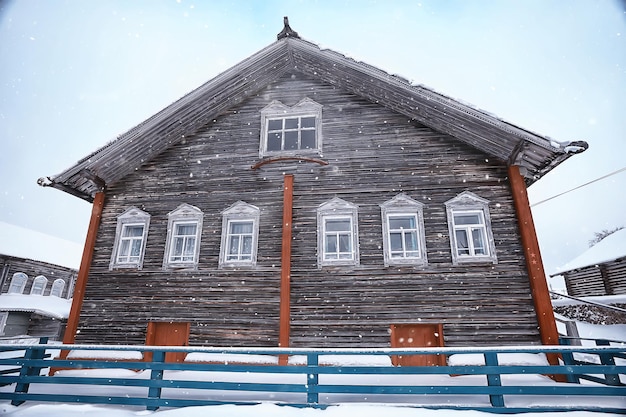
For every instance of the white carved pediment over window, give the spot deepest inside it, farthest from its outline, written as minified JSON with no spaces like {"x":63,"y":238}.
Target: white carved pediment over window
{"x":291,"y":130}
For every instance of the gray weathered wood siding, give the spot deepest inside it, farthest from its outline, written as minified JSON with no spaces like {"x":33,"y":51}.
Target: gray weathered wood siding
{"x":373,"y":154}
{"x":603,"y":279}
{"x":9,"y":265}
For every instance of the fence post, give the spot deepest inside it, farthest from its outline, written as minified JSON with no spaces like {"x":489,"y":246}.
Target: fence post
{"x":608,"y":359}
{"x":312,"y":378}
{"x":34,"y":353}
{"x":156,"y":375}
{"x":568,"y":359}
{"x":493,"y":380}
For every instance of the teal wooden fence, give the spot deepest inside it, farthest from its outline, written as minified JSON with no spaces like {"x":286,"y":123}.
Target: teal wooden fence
{"x":486,"y":379}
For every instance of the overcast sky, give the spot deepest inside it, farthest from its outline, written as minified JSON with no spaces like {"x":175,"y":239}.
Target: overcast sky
{"x":75,"y":74}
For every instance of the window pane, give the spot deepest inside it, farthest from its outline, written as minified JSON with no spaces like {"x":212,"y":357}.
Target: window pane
{"x":307,"y":122}
{"x":276,"y":124}
{"x":185,"y":229}
{"x":461,"y":242}
{"x":247,"y":245}
{"x":132,"y":231}
{"x":395,"y":240}
{"x":291,"y":123}
{"x":410,"y":241}
{"x":478,"y":239}
{"x":240,"y":227}
{"x":338,"y":225}
{"x":178,"y":247}
{"x":291,"y":140}
{"x":190,"y":246}
{"x":136,"y":248}
{"x":124,"y":248}
{"x":460,"y":219}
{"x":233,"y":248}
{"x":307,"y":137}
{"x":331,"y":244}
{"x":274,"y":141}
{"x":396,"y":223}
{"x":345,"y":243}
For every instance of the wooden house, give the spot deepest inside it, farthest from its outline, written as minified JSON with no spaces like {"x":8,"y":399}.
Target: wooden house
{"x":600,"y":270}
{"x":37,"y":278}
{"x":304,"y":199}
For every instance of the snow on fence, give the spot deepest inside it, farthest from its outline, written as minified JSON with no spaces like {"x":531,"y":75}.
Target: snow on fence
{"x":502,"y":379}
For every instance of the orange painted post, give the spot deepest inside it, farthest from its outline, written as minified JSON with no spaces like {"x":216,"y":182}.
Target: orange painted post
{"x":534,"y":264}
{"x":83,"y":272}
{"x":285,"y":269}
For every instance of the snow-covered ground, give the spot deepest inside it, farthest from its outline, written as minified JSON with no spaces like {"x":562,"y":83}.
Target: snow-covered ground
{"x":261,"y":410}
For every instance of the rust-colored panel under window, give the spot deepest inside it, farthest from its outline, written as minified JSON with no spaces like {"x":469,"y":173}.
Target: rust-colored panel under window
{"x":168,"y":334}
{"x":417,"y":335}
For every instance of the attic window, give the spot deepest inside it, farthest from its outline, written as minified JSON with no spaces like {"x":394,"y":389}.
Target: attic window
{"x":291,"y":130}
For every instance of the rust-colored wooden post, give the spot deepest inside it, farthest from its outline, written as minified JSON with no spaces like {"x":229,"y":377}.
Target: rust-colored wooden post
{"x":534,"y":264}
{"x":83,"y":272}
{"x":285,"y":268}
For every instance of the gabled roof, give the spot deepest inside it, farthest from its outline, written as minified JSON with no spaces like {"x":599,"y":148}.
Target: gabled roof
{"x":609,"y":249}
{"x":535,"y":154}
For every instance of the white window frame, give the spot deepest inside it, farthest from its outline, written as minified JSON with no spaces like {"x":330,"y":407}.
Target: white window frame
{"x":130,"y":218}
{"x":469,"y":203}
{"x":4,"y":315}
{"x":277,"y":110}
{"x":237,"y":213}
{"x":404,"y":206}
{"x":39,"y":285}
{"x":18,"y":283}
{"x":333,"y":210}
{"x":185,"y":214}
{"x":57,"y":288}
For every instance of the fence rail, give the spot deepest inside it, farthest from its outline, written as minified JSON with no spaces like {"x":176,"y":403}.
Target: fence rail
{"x":503,"y":379}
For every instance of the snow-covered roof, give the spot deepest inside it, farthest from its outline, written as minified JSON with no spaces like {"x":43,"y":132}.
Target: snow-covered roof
{"x":608,"y":249}
{"x":29,"y":244}
{"x":50,"y":306}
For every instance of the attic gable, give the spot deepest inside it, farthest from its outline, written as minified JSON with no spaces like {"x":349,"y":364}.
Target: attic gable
{"x":535,"y":154}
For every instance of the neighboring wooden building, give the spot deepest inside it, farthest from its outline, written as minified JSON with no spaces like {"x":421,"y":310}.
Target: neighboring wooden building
{"x":37,"y":277}
{"x":600,"y":270}
{"x":304,"y":199}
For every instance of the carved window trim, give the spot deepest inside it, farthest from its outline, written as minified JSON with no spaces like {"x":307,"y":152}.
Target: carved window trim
{"x":18,"y":283}
{"x":4,"y":315}
{"x":405,"y":207}
{"x":469,"y":204}
{"x":57,"y":288}
{"x":275,"y":111}
{"x":39,"y":285}
{"x":239,"y":213}
{"x":184,"y":215}
{"x":131,"y":218}
{"x":333,"y":211}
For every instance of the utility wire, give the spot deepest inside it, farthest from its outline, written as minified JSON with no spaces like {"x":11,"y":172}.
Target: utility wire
{"x":580,"y":186}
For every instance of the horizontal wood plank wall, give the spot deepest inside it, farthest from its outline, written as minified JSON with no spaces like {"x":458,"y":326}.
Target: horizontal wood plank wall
{"x":605,"y":279}
{"x":585,"y":282}
{"x":373,"y":155}
{"x":616,"y":276}
{"x":11,"y":264}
